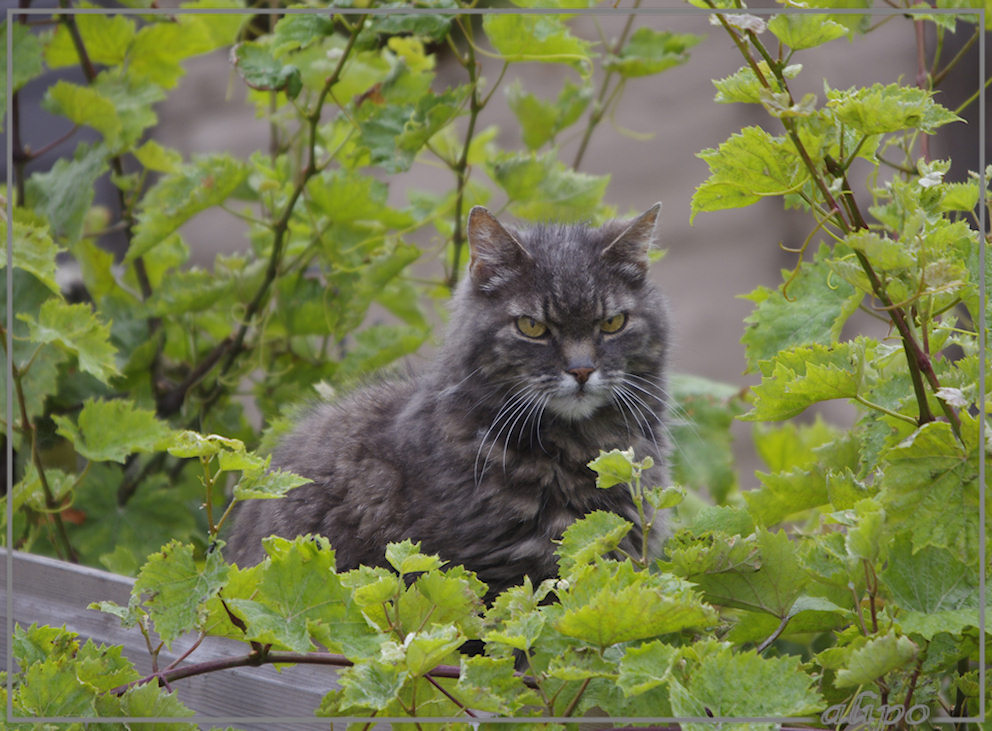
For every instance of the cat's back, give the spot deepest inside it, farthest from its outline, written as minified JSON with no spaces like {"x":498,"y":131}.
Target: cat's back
{"x":351,"y":449}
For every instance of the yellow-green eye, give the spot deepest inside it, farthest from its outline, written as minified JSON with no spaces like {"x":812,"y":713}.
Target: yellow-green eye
{"x":531,"y":327}
{"x":614,"y":324}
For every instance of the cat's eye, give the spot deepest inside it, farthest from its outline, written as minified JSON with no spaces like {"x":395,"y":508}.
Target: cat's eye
{"x":531,"y":328}
{"x":613,"y":324}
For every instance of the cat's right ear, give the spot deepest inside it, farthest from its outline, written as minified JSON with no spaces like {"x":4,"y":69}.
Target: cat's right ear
{"x":496,"y":255}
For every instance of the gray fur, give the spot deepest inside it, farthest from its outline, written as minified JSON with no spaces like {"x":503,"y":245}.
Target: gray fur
{"x":483,"y":458}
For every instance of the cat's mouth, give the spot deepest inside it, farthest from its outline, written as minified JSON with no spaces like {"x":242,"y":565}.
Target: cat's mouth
{"x":575,"y":401}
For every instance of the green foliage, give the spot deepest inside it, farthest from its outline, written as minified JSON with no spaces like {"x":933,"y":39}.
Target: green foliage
{"x":851,"y":564}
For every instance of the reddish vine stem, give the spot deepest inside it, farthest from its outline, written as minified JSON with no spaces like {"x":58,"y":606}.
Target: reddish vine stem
{"x":263,"y":656}
{"x":918,"y":362}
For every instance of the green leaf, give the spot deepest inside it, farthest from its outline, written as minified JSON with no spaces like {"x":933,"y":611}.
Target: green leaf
{"x":936,"y":592}
{"x":700,"y":428}
{"x":930,"y":486}
{"x":542,"y":188}
{"x":76,"y":329}
{"x":876,"y":658}
{"x":173,"y":200}
{"x":33,"y":251}
{"x":835,"y":372}
{"x":799,"y":31}
{"x":300,"y":30}
{"x":604,"y":606}
{"x":106,"y":36}
{"x":406,"y":558}
{"x":749,"y":166}
{"x":64,"y":194}
{"x":152,"y":700}
{"x":648,"y":51}
{"x":612,"y":468}
{"x":51,"y":689}
{"x":769,"y":581}
{"x":743,"y":85}
{"x":161,"y":159}
{"x":260,"y":70}
{"x":645,"y":667}
{"x":84,"y":105}
{"x":490,"y":684}
{"x":159,"y":48}
{"x":594,"y":535}
{"x":299,"y":597}
{"x":537,"y":38}
{"x":541,"y":120}
{"x":374,"y":685}
{"x":426,"y":649}
{"x":785,"y":493}
{"x":747,"y":685}
{"x":111,"y":430}
{"x":432,"y":26}
{"x":175,"y":591}
{"x":26,"y":51}
{"x":879,"y":109}
{"x":816,"y":309}
{"x":274,"y":484}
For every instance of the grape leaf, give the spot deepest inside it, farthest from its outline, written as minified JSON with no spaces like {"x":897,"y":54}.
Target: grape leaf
{"x":260,"y":69}
{"x":874,"y":659}
{"x":76,"y":329}
{"x":930,"y":485}
{"x":605,"y":605}
{"x":26,"y":51}
{"x":743,"y":85}
{"x":936,"y":591}
{"x":879,"y":109}
{"x":595,"y":534}
{"x":536,"y":38}
{"x":645,"y":667}
{"x":33,"y":251}
{"x":747,"y":167}
{"x":113,"y":429}
{"x":203,"y":183}
{"x":800,"y":31}
{"x":769,"y":582}
{"x":64,"y":194}
{"x":815,"y":311}
{"x":836,"y":372}
{"x":490,"y":684}
{"x":541,"y":188}
{"x":175,"y":591}
{"x":747,"y":685}
{"x":649,"y":51}
{"x":106,"y":36}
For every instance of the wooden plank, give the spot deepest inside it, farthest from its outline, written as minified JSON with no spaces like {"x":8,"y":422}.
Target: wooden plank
{"x":46,"y":591}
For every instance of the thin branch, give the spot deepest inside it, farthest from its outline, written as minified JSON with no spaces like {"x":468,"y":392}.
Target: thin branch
{"x":601,"y":105}
{"x":263,"y":656}
{"x":774,"y":635}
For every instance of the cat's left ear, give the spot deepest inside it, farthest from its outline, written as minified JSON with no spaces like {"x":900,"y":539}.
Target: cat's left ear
{"x":629,"y":251}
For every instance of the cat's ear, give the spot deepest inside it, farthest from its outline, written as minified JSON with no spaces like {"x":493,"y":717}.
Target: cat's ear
{"x":496,"y":255}
{"x":629,"y":251}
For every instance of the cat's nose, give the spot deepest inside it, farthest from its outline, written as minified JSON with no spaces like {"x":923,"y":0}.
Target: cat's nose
{"x":581,"y":373}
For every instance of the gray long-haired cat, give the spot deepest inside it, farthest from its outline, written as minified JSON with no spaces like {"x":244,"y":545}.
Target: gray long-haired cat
{"x":556,"y":349}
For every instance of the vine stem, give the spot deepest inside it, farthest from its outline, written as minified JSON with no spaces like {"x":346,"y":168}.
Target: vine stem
{"x":261,"y":656}
{"x":460,"y":168}
{"x":918,"y":362}
{"x":63,"y":545}
{"x":599,"y":107}
{"x":230,"y":348}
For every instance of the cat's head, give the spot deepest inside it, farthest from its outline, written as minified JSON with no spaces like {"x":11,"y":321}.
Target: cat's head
{"x":562,"y":317}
